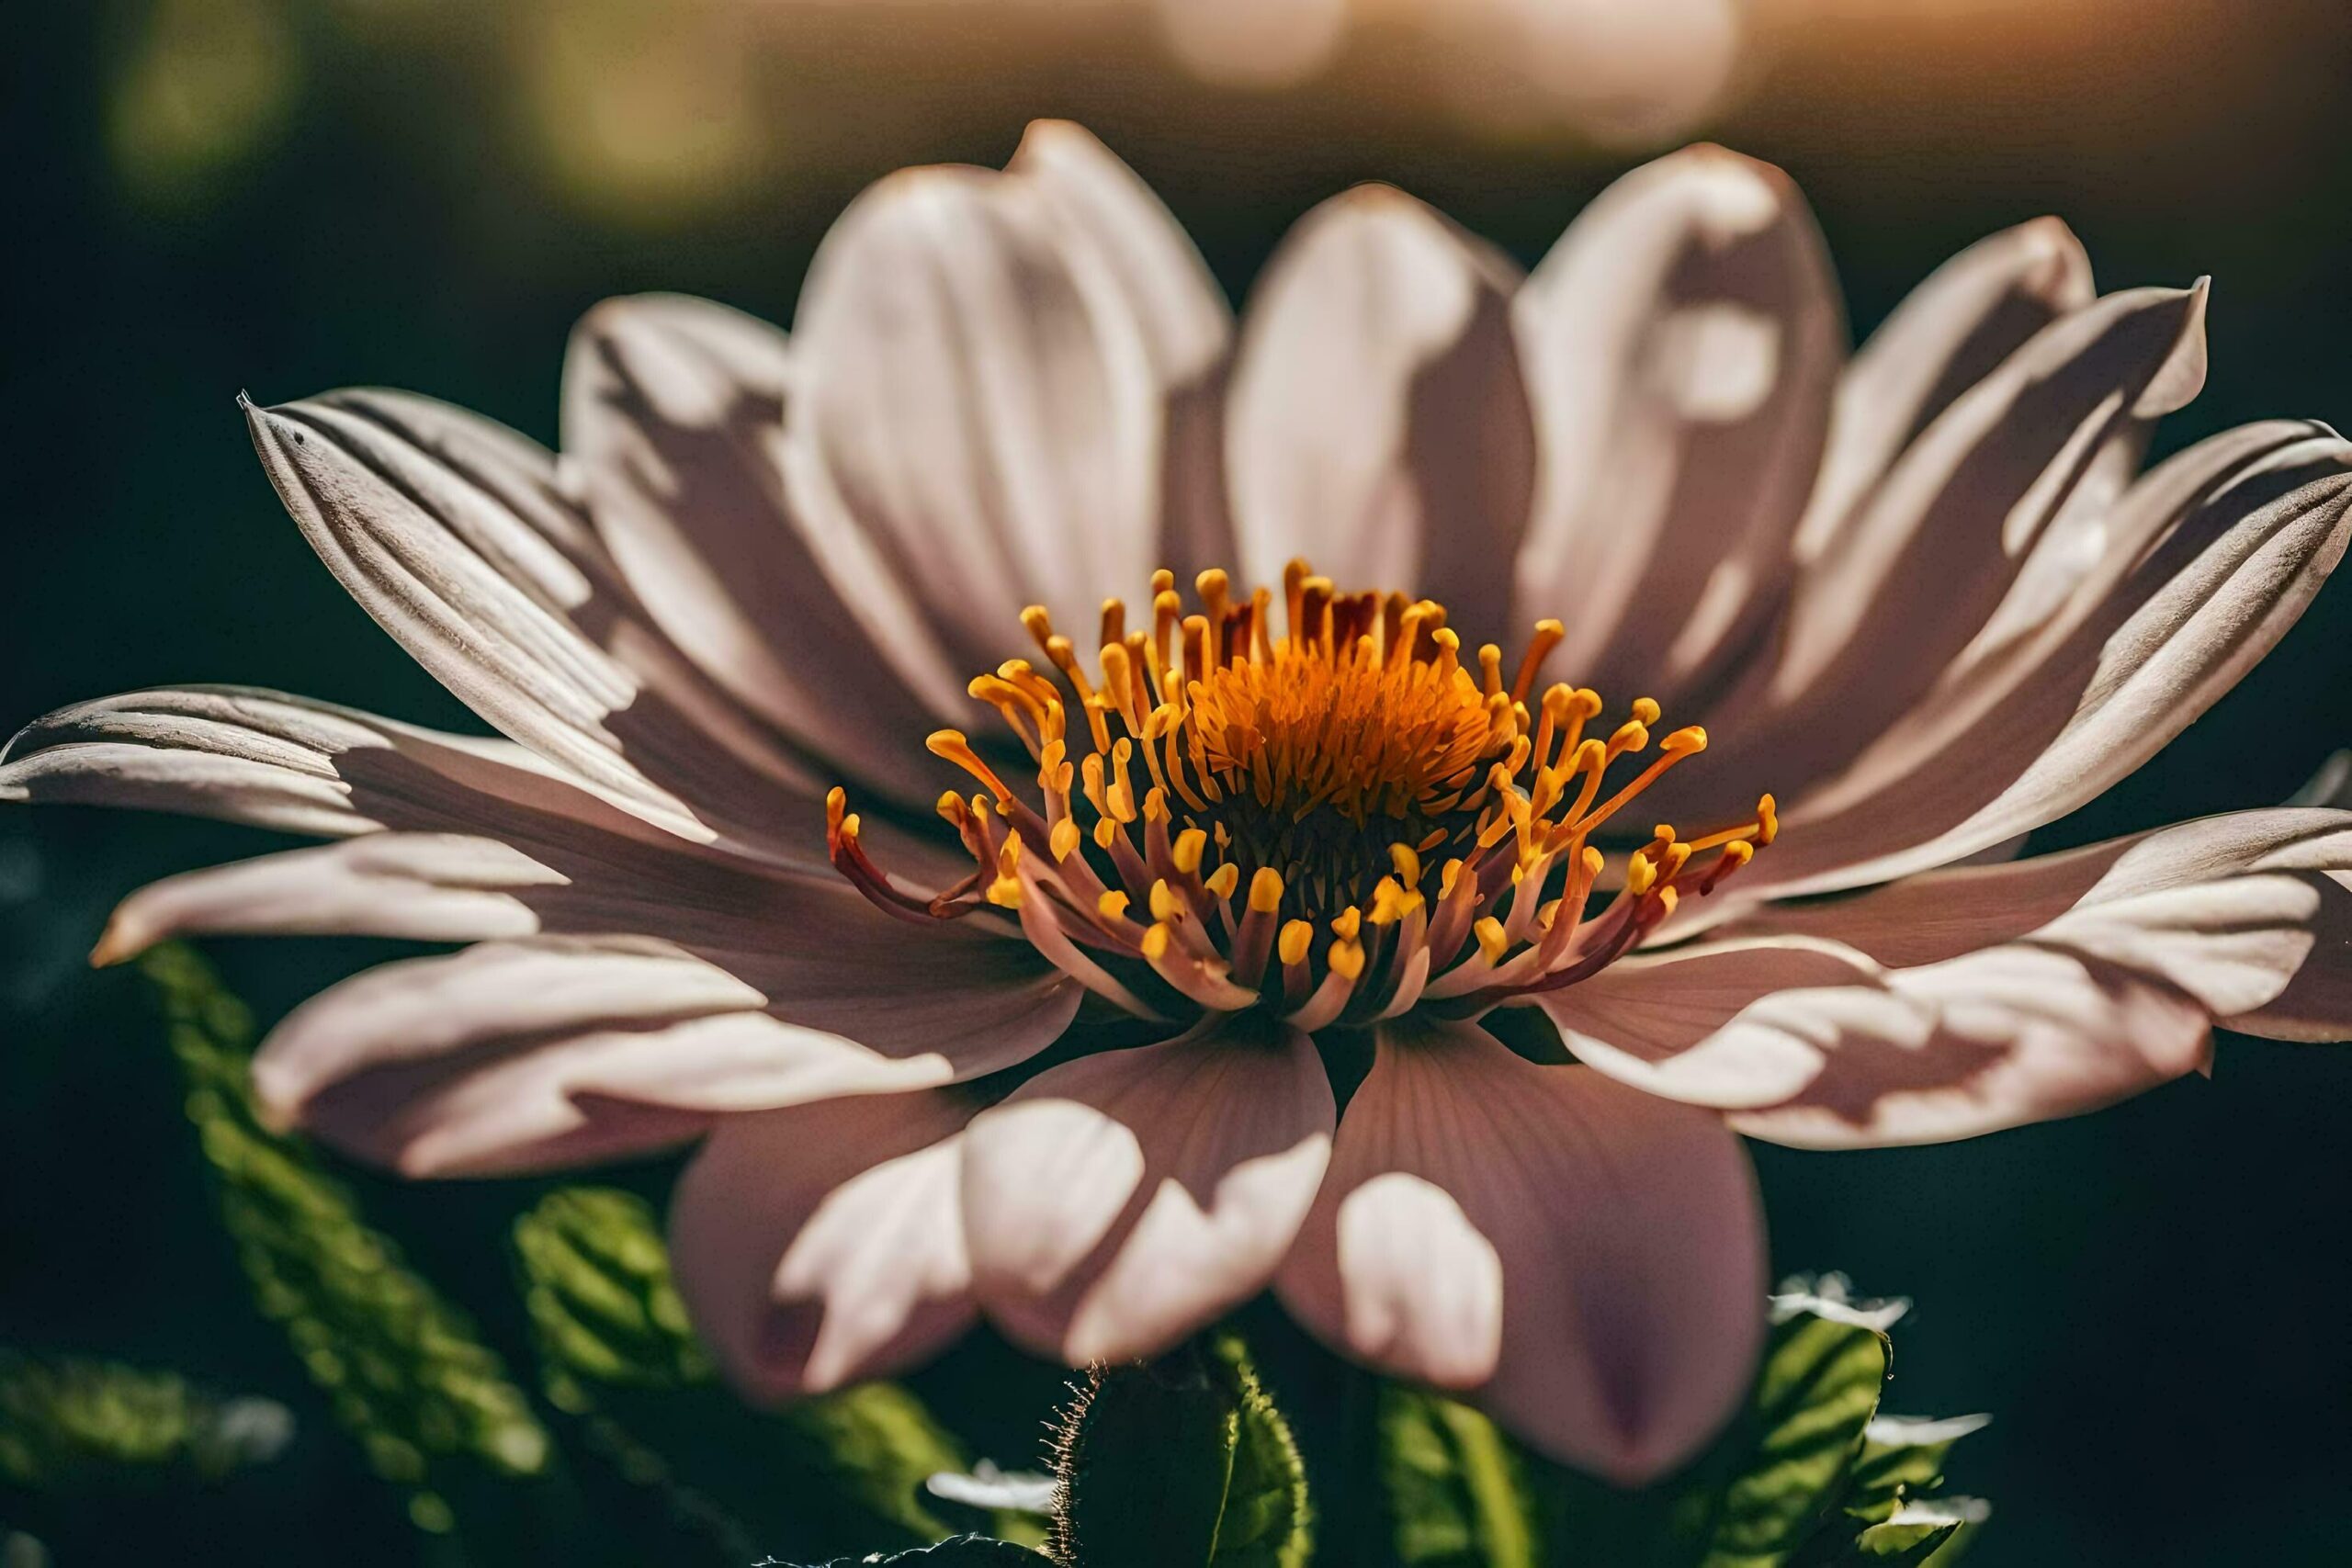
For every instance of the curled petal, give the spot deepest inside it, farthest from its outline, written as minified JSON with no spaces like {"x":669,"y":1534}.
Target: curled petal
{"x":1927,"y":558}
{"x":524,"y":631}
{"x":2103,"y":685}
{"x":1655,"y":1022}
{"x":1948,"y":335}
{"x":2010,"y":1037}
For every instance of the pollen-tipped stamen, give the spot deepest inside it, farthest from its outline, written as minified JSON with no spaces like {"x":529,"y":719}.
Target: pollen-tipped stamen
{"x":1412,"y":829}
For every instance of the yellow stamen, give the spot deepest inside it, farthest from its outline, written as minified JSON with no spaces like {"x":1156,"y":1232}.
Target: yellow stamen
{"x":1229,"y":747}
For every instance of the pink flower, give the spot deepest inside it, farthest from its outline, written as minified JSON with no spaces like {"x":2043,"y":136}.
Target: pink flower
{"x":1068,"y":1049}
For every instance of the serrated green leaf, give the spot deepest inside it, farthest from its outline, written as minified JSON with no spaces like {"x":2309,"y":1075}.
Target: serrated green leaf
{"x":1815,"y":1391}
{"x":1182,"y":1464}
{"x":619,"y":1352}
{"x":1266,"y":1523}
{"x":429,"y":1403}
{"x":596,"y":1282}
{"x":67,"y":1421}
{"x":964,"y":1551}
{"x":1455,"y":1485}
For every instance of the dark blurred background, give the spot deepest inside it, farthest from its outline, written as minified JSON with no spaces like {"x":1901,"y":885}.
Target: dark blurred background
{"x":210,"y":195}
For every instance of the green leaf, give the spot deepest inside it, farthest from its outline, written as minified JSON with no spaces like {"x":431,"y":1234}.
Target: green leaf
{"x":620,"y":1353}
{"x":1902,"y":1460}
{"x":431,"y":1404}
{"x":1937,"y":1531}
{"x":1266,"y":1522}
{"x":1801,"y":1434}
{"x":1902,"y":1545}
{"x":1454,"y":1485}
{"x":596,"y":1283}
{"x":65,"y":1421}
{"x":1182,"y":1463}
{"x":964,"y":1551}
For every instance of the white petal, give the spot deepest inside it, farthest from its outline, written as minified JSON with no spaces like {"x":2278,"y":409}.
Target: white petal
{"x":1948,"y":333}
{"x":1187,"y":326}
{"x":2003,"y":1038}
{"x":415,"y":887}
{"x":974,"y":424}
{"x":506,"y":1054}
{"x":823,"y":1244}
{"x":1584,"y":1261}
{"x":1962,"y":1002}
{"x":673,"y":415}
{"x":1926,"y":560}
{"x":483,"y":596}
{"x":267,"y":759}
{"x":1655,"y":1021}
{"x":1378,"y":424}
{"x":2139,"y":654}
{"x":2248,"y":912}
{"x":1118,"y":1203}
{"x":1680,"y":341}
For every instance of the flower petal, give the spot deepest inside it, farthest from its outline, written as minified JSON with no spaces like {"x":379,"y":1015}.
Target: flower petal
{"x":483,"y":836}
{"x":1187,"y":325}
{"x":1681,"y":342}
{"x":1378,"y":422}
{"x":2140,"y":649}
{"x":1910,"y":1013}
{"x":267,"y":759}
{"x":1923,"y":563}
{"x":672,"y":416}
{"x":1582,"y":1259}
{"x":975,"y":421}
{"x":1948,"y":335}
{"x":510,"y":1053}
{"x":823,"y":1244}
{"x":480,"y":597}
{"x":1655,"y":1021}
{"x":1118,"y":1203}
{"x":2003,"y":1038}
{"x":2247,"y":911}
{"x":413,"y":886}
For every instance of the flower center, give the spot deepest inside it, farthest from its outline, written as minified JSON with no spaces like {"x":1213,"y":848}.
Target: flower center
{"x":1351,"y":768}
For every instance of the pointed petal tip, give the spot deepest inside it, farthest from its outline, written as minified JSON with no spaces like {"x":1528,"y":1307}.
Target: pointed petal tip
{"x":118,"y":944}
{"x":2181,"y":376}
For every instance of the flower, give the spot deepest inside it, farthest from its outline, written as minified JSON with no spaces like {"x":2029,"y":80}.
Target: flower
{"x":1067,"y":1045}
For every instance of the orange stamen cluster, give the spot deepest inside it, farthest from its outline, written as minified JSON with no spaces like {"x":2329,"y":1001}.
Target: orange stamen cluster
{"x":1219,"y":797}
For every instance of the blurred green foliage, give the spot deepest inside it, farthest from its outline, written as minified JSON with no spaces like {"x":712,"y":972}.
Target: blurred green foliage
{"x":620,"y":1356}
{"x":1457,"y":1488}
{"x":68,"y":1421}
{"x":430,"y":1404}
